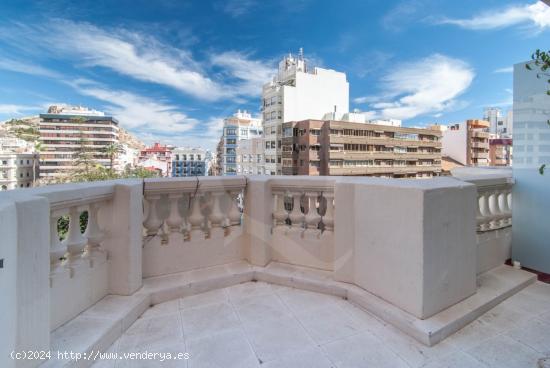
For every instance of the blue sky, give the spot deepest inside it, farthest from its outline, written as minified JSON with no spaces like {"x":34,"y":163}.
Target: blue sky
{"x":170,"y":71}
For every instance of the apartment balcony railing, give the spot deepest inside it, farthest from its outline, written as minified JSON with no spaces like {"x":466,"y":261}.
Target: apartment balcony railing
{"x":413,"y":252}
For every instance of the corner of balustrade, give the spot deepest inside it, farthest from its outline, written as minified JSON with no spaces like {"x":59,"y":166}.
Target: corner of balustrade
{"x":257,"y":216}
{"x":24,"y":271}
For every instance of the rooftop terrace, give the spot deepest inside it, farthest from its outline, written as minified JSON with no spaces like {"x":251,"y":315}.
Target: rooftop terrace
{"x":271,"y":271}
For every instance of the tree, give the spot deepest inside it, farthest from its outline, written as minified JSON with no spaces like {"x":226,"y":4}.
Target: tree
{"x":541,"y":61}
{"x":112,"y":150}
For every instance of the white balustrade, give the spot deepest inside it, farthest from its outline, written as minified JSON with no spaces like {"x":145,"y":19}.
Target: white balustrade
{"x":75,"y":241}
{"x":57,"y":248}
{"x":494,"y":207}
{"x":152,"y":222}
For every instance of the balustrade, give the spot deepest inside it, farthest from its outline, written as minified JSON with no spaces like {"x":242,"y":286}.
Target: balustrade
{"x":494,"y":209}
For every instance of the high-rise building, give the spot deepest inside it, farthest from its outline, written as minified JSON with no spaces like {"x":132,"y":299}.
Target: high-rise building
{"x":65,"y":131}
{"x":297,"y":93}
{"x":237,"y":129}
{"x":530,"y":232}
{"x":467,"y":142}
{"x":189,"y":162}
{"x":328,"y":147}
{"x":18,"y":170}
{"x":250,"y":156}
{"x":500,"y":151}
{"x":500,"y":125}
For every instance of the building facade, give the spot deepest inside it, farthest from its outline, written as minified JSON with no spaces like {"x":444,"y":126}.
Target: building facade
{"x":189,"y":162}
{"x":67,"y":131}
{"x":297,"y":93}
{"x":250,"y":157}
{"x":238,"y":129}
{"x":18,"y":170}
{"x":500,"y":125}
{"x":467,"y":142}
{"x":156,"y":158}
{"x":500,"y":151}
{"x":328,"y":147}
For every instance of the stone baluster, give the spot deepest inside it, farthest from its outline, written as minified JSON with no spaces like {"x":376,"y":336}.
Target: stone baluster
{"x":152,"y":222}
{"x":57,"y":248}
{"x":296,"y":216}
{"x":174,"y":220}
{"x":312,"y":218}
{"x":494,"y":209}
{"x":93,"y":233}
{"x":196,"y":219}
{"x":328,"y":217}
{"x":279,"y":213}
{"x":234,"y":214}
{"x":503,"y":205}
{"x":484,"y":214}
{"x":75,"y":241}
{"x":217,"y":217}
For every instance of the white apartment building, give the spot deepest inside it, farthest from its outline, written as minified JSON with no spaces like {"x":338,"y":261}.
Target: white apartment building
{"x":18,"y":170}
{"x":500,"y":126}
{"x":65,"y":130}
{"x":297,"y":93}
{"x":239,"y":131}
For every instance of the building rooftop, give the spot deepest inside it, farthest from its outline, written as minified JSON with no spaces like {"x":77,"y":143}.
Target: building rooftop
{"x":256,"y":271}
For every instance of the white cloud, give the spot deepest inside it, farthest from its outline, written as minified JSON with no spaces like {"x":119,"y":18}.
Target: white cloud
{"x":20,"y":66}
{"x":536,"y":15}
{"x":251,"y":74}
{"x":143,"y":58}
{"x":237,"y":8}
{"x":138,"y":112}
{"x":508,"y":69}
{"x":14,"y":109}
{"x":427,"y":86}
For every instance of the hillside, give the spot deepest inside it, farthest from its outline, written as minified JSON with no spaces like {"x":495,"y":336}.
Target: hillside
{"x":27,"y":129}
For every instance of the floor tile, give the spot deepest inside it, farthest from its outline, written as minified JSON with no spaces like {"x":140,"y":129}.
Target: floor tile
{"x":203,"y":321}
{"x":327,"y":323}
{"x":149,"y":333}
{"x":309,"y":358}
{"x":362,"y":351}
{"x":457,"y":359}
{"x":413,"y":352}
{"x":261,"y":307}
{"x":243,"y":291}
{"x":162,"y":309}
{"x":301,"y":300}
{"x":200,"y":300}
{"x":226,"y":349}
{"x":534,"y":333}
{"x":272,"y":339}
{"x":504,"y":352}
{"x":471,"y":335}
{"x":503,"y":317}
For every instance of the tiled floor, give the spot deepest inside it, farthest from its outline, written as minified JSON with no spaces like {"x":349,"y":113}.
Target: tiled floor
{"x":261,"y":325}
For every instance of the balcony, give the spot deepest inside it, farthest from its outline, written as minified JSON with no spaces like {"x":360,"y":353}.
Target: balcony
{"x":270,"y":271}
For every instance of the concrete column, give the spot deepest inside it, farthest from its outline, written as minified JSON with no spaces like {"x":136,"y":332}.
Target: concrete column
{"x":24,"y":278}
{"x":124,"y":241}
{"x":258,"y":220}
{"x":344,"y":230}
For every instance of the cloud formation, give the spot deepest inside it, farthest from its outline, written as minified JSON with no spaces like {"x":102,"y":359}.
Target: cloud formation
{"x":536,"y":15}
{"x":427,"y":86}
{"x":144,"y":58}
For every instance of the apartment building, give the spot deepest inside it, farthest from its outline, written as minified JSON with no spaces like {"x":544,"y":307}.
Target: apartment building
{"x":67,"y":130}
{"x":500,"y":125}
{"x":237,"y":130}
{"x":189,"y":162}
{"x":297,"y":93}
{"x":329,"y":147}
{"x":156,"y":158}
{"x":500,"y":151}
{"x":18,"y":170}
{"x":467,"y":142}
{"x":250,"y":157}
